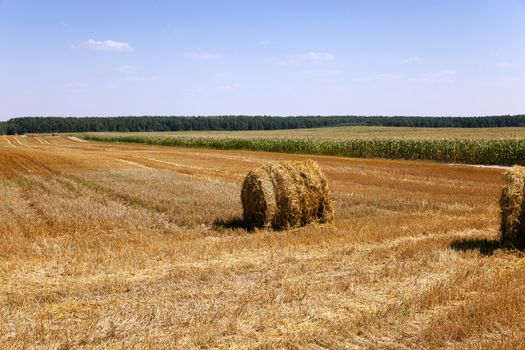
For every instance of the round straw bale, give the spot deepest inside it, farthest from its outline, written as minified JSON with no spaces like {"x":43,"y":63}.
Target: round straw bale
{"x":513,"y":208}
{"x":286,"y":194}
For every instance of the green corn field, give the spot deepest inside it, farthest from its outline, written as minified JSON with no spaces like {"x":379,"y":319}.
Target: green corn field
{"x":493,"y":152}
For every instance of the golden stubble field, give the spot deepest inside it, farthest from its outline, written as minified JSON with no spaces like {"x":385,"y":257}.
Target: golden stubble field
{"x":115,"y":246}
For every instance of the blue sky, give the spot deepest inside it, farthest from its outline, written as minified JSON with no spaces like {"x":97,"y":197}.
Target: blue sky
{"x":275,"y":57}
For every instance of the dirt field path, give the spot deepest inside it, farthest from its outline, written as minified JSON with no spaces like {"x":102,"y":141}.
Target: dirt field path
{"x":113,"y":245}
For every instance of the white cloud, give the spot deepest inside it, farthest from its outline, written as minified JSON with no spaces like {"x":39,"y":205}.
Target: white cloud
{"x":127,"y":68}
{"x":309,"y":57}
{"x":107,"y":45}
{"x":221,"y":75}
{"x":515,"y":80}
{"x":384,"y":77}
{"x":228,"y":88}
{"x":77,"y":85}
{"x":318,"y":56}
{"x":508,"y":82}
{"x":133,"y":78}
{"x":204,"y":56}
{"x":324,"y":73}
{"x":414,"y":60}
{"x":444,"y":76}
{"x":503,"y":64}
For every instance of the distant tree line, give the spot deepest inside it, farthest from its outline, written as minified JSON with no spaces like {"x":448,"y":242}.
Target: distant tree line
{"x":226,"y":123}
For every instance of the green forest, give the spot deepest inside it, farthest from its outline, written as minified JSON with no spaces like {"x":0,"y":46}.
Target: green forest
{"x":232,"y":123}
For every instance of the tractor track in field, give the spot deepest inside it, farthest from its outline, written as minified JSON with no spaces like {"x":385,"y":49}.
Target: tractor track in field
{"x":130,"y":162}
{"x":118,"y":197}
{"x":9,"y":142}
{"x":19,"y":142}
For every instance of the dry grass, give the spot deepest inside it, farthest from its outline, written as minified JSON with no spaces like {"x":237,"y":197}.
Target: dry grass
{"x":114,"y":246}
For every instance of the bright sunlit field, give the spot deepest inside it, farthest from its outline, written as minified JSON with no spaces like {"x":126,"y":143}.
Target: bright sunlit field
{"x":119,"y":246}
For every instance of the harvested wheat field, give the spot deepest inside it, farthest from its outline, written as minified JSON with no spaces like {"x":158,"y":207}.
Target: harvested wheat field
{"x":120,"y":246}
